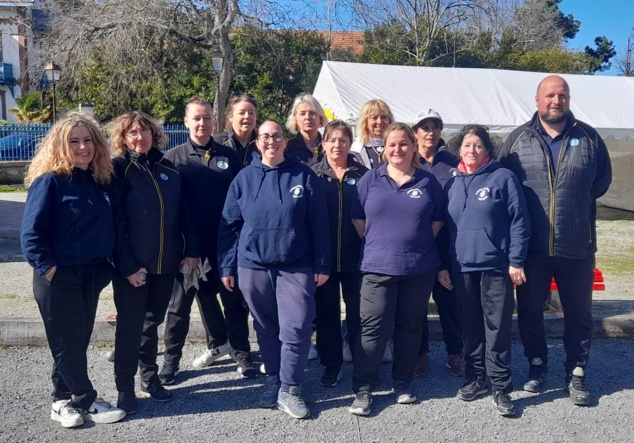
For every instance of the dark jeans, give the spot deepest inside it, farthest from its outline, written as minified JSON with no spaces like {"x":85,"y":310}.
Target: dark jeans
{"x":221,"y":325}
{"x":574,"y":281}
{"x":140,"y":311}
{"x":328,"y":319}
{"x":487,"y":307}
{"x":450,"y":320}
{"x":391,"y":306}
{"x":282,"y":303}
{"x":68,"y":306}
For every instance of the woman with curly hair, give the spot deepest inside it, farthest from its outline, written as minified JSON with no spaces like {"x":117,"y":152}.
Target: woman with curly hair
{"x":150,"y":228}
{"x":67,"y":237}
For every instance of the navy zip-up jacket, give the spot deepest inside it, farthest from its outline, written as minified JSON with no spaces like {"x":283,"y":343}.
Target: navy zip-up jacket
{"x":244,"y":152}
{"x":67,"y":221}
{"x":311,"y":157}
{"x":274,"y":217}
{"x":488,"y":221}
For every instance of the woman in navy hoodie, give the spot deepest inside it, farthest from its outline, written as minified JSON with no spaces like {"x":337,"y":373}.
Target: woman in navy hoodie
{"x":489,"y":231}
{"x":274,"y":238}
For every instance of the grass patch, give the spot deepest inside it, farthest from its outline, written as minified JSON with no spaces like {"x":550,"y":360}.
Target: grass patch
{"x":12,"y":188}
{"x":620,"y":264}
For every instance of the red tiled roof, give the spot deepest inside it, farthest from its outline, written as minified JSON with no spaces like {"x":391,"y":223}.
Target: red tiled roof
{"x":344,"y":39}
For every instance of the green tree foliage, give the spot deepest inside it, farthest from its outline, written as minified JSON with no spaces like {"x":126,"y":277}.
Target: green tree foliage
{"x":600,"y":55}
{"x":29,"y":108}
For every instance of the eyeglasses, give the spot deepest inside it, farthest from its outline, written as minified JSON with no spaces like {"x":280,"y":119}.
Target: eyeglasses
{"x":146,"y":132}
{"x":265,"y":138}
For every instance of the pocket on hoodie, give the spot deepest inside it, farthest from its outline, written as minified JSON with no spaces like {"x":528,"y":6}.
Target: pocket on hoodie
{"x":475,"y":249}
{"x":275,"y":246}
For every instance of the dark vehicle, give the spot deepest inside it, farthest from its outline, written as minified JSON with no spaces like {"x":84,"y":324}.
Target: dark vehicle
{"x":19,"y":146}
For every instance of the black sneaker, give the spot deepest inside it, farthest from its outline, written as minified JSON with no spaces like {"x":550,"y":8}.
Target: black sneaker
{"x":246,"y":367}
{"x":473,"y":390}
{"x":169,"y":372}
{"x":537,"y":372}
{"x":155,"y":391}
{"x":127,"y":402}
{"x":503,"y":404}
{"x":576,"y":387}
{"x":331,"y":376}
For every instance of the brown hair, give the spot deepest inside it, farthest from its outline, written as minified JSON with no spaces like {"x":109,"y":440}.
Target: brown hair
{"x":337,"y":125}
{"x":120,"y":125}
{"x":197,"y":100}
{"x":233,"y":101}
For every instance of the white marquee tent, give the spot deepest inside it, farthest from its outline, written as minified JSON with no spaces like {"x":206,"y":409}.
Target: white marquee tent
{"x":501,"y":100}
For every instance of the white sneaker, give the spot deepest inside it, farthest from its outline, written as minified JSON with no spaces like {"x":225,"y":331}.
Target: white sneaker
{"x":347,"y":353}
{"x":312,"y":352}
{"x":388,"y":355}
{"x":63,"y":412}
{"x":101,"y":411}
{"x":211,"y":355}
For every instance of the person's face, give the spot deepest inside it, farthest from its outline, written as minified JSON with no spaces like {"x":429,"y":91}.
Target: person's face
{"x":428,"y":135}
{"x":82,"y":146}
{"x":271,"y":143}
{"x":337,"y":146}
{"x":138,"y":139}
{"x":553,"y":101}
{"x":472,"y":151}
{"x":399,"y":150}
{"x":243,"y":118}
{"x":378,"y":123}
{"x":307,"y":118}
{"x":199,"y":121}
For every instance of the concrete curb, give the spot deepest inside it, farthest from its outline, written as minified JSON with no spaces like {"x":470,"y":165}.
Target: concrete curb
{"x":30,"y":332}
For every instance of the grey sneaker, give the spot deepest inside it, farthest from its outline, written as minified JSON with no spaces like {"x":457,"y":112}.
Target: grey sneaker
{"x":473,"y":389}
{"x":537,"y":372}
{"x":576,"y":387}
{"x":403,"y":393}
{"x":361,"y":404}
{"x":63,"y":412}
{"x":503,"y":404}
{"x":292,"y":403}
{"x":272,"y":385}
{"x":211,"y":355}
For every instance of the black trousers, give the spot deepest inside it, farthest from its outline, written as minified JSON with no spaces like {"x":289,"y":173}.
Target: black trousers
{"x":68,"y":306}
{"x":140,"y":311}
{"x":450,"y":320}
{"x":574,"y":281}
{"x":221,"y":325}
{"x":487,"y":307}
{"x":328,"y":318}
{"x":391,"y":306}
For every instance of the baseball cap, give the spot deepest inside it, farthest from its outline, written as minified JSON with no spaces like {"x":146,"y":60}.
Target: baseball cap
{"x":425,"y":115}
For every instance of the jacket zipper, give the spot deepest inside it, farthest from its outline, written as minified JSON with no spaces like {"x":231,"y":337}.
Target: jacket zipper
{"x":161,"y":239}
{"x":340,"y":225}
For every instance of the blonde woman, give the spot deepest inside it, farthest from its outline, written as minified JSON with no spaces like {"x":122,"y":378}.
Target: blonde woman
{"x":305,"y":119}
{"x":375,"y":117}
{"x":67,"y":237}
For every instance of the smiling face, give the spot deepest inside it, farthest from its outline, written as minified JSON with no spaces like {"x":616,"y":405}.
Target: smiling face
{"x":271,"y":143}
{"x":82,"y":146}
{"x":337,"y":146}
{"x":553,"y":100}
{"x":472,"y":152}
{"x":199,"y":121}
{"x":243,"y":117}
{"x":399,"y":150}
{"x":138,"y":139}
{"x":378,"y":123}
{"x":428,"y":135}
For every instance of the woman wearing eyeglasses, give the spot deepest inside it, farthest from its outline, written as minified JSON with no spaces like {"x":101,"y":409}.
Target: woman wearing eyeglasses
{"x":306,"y":117}
{"x":274,"y":240}
{"x":150,"y":224}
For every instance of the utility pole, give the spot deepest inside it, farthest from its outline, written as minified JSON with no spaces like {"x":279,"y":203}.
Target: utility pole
{"x":628,"y":59}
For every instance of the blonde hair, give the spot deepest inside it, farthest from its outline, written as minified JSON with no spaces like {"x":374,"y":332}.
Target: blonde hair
{"x":291,"y":122}
{"x":120,"y":125}
{"x":398,"y":126}
{"x":373,"y":107}
{"x":55,"y":155}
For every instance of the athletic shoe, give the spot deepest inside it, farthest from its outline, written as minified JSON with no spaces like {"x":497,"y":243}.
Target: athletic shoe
{"x":312,"y":352}
{"x":361,"y":403}
{"x":127,"y":402}
{"x":211,"y":355}
{"x":537,"y":372}
{"x":576,"y":387}
{"x":292,"y":402}
{"x":63,"y":412}
{"x":503,"y":404}
{"x":246,"y":367}
{"x":272,"y":385}
{"x":169,"y":371}
{"x":331,"y":376}
{"x":421,"y":369}
{"x":155,"y":390}
{"x":388,"y":355}
{"x":102,"y":412}
{"x":455,"y":364}
{"x":403,"y":393}
{"x":473,"y":390}
{"x":110,"y":356}
{"x":262,"y":369}
{"x":347,"y":353}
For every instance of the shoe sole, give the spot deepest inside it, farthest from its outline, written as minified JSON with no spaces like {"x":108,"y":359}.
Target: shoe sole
{"x":282,"y":407}
{"x":528,"y":387}
{"x":475,"y":396}
{"x":359,"y":411}
{"x":171,"y":381}
{"x":249,"y":373}
{"x":407,"y":400}
{"x":102,"y":419}
{"x":67,"y":423}
{"x":576,"y":401}
{"x":506,"y":413}
{"x":148,"y":395}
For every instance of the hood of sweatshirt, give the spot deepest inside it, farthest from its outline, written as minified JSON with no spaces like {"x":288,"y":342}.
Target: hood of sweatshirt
{"x":274,"y":171}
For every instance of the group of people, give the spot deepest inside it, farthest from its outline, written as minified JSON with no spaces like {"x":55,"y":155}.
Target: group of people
{"x":283,"y":229}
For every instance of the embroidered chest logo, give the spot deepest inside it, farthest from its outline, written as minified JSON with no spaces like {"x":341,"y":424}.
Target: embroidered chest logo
{"x":415,"y":193}
{"x":297,"y":191}
{"x":223,"y":164}
{"x":163,"y":176}
{"x":351,"y":181}
{"x":483,"y":193}
{"x":574,"y":142}
{"x":453,"y":172}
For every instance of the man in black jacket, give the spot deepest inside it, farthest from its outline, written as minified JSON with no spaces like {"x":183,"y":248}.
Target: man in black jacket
{"x":564,"y":167}
{"x":207,"y":169}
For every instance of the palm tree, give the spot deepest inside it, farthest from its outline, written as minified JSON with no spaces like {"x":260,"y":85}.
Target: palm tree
{"x":29,"y":108}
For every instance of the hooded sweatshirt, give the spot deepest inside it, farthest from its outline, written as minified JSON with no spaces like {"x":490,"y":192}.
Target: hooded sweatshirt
{"x":487,"y":218}
{"x":275,"y":217}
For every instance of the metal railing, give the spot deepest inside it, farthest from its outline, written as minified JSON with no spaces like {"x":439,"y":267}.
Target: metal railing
{"x":18,"y":142}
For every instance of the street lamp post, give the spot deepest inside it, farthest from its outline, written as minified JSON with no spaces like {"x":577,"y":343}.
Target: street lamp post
{"x":53,"y":74}
{"x":217,"y":61}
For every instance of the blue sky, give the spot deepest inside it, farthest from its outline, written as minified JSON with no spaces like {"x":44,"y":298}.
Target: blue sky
{"x":612,"y":18}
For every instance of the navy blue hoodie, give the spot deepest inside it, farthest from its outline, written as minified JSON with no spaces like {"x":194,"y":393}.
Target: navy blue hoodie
{"x":274,"y":217}
{"x":488,"y":221}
